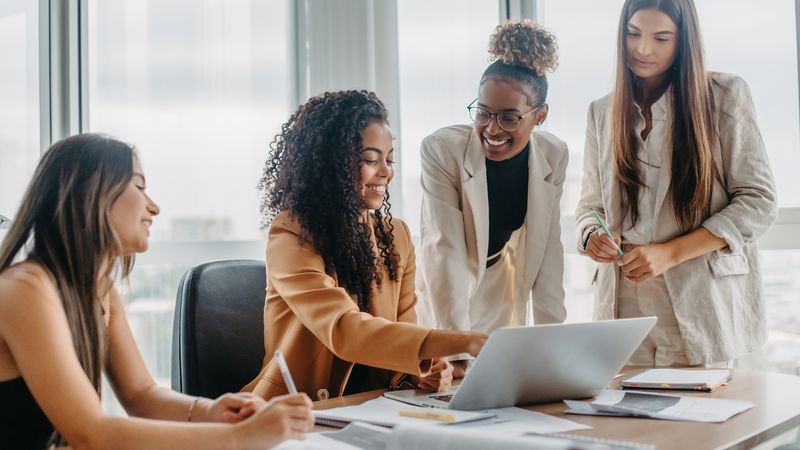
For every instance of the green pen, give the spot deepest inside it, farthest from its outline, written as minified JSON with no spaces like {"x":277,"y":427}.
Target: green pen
{"x":608,"y":233}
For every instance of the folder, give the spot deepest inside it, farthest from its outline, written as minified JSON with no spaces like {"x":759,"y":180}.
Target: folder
{"x":678,"y":379}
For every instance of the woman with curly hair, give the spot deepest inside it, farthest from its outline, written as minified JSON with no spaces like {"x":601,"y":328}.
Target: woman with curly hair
{"x":340,"y":291}
{"x":675,"y":163}
{"x":62,"y":322}
{"x":491,"y":237}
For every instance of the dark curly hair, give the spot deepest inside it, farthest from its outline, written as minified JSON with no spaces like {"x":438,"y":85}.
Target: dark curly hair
{"x":312,"y":172}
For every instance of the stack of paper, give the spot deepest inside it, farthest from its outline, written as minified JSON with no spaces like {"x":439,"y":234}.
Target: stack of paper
{"x":659,"y":406}
{"x":699,"y":380}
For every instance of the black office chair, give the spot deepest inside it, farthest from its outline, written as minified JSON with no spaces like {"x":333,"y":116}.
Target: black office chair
{"x":218,"y":330}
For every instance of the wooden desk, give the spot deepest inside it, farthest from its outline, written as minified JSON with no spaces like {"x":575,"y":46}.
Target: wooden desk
{"x":776,"y":411}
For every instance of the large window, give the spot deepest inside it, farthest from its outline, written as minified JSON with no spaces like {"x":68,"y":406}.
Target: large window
{"x":19,"y":100}
{"x":443,"y":53}
{"x":200,"y":87}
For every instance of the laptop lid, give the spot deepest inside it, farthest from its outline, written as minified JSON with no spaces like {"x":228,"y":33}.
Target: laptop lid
{"x":536,"y":364}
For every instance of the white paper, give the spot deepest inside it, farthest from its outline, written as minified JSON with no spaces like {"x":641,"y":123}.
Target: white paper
{"x":515,"y":421}
{"x":385,"y":411}
{"x":361,"y":435}
{"x":315,"y":441}
{"x":662,"y":406}
{"x":408,"y":437}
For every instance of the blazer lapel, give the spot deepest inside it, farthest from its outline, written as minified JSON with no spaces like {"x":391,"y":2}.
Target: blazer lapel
{"x":661,"y":113}
{"x":538,"y":215}
{"x":476,"y":200}
{"x":612,"y":197}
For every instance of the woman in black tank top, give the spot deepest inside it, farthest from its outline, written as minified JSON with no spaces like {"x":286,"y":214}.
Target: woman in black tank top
{"x":62,"y":323}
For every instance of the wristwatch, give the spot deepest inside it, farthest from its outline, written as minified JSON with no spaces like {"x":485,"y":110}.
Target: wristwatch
{"x":585,"y":241}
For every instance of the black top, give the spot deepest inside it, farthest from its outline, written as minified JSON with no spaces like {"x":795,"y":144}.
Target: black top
{"x":508,"y":198}
{"x":358,"y":380}
{"x":23,"y":425}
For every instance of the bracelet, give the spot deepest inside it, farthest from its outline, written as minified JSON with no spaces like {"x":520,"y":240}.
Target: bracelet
{"x":191,"y":409}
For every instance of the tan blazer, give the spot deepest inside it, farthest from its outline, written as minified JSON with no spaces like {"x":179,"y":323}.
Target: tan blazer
{"x":317,"y":324}
{"x":455,"y":228}
{"x":717,"y":298}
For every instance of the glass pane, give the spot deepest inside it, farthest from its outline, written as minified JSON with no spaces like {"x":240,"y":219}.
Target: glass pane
{"x":19,"y":107}
{"x":586,"y":52}
{"x":200,"y":87}
{"x":781,"y":272}
{"x":770,"y":70}
{"x":441,"y":63}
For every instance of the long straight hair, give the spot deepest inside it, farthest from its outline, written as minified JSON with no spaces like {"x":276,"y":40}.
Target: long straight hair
{"x":63,"y":224}
{"x":692,"y":168}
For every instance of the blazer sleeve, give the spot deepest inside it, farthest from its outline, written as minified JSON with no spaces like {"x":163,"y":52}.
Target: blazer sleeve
{"x":747,"y":175}
{"x":408,"y":296}
{"x":548,"y":289}
{"x":591,"y":198}
{"x":406,"y":311}
{"x":298,"y":274}
{"x":444,"y":248}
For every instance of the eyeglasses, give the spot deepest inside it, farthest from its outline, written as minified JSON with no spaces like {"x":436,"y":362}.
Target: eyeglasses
{"x":507,"y":121}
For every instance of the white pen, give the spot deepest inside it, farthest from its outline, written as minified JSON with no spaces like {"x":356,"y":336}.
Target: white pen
{"x":287,"y":377}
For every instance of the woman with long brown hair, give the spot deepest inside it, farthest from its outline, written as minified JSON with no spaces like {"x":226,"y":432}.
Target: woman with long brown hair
{"x":62,"y":323}
{"x":675,"y":164}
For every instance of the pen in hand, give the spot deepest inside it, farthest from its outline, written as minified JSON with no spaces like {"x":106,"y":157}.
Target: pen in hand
{"x":287,"y":376}
{"x":608,"y":233}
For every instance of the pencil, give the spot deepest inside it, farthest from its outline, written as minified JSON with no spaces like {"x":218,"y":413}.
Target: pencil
{"x":608,"y":233}
{"x":429,"y":415}
{"x":287,"y":376}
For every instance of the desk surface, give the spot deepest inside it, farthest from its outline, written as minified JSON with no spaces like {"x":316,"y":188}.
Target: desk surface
{"x":777,"y":410}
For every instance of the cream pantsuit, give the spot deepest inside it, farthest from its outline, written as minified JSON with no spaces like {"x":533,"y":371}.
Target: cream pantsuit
{"x":717,"y":299}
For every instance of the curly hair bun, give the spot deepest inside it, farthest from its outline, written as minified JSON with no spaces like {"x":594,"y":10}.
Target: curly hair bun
{"x":524,"y":43}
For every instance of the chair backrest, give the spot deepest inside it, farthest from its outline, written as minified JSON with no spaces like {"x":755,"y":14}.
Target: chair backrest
{"x":218,"y":330}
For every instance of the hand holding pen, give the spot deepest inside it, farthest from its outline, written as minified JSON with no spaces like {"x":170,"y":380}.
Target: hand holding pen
{"x":603,"y":245}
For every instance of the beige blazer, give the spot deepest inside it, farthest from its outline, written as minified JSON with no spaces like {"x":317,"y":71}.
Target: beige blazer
{"x":455,"y":228}
{"x":717,"y":298}
{"x":318,"y":326}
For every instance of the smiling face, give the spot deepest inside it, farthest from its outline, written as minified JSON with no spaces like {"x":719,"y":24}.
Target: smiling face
{"x":132,"y":214}
{"x":377,"y":164}
{"x":652,"y":45}
{"x":506,"y":96}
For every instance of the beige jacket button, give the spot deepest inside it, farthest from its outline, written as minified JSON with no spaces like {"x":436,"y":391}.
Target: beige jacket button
{"x":322,"y":394}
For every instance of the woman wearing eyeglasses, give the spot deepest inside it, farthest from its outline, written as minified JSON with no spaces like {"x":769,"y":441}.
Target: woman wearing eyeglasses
{"x":491,"y":190}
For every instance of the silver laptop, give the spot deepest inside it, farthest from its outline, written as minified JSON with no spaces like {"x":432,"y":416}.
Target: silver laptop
{"x":536,"y":364}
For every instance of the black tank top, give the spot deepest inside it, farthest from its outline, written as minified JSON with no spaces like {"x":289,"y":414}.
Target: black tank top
{"x":23,"y":425}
